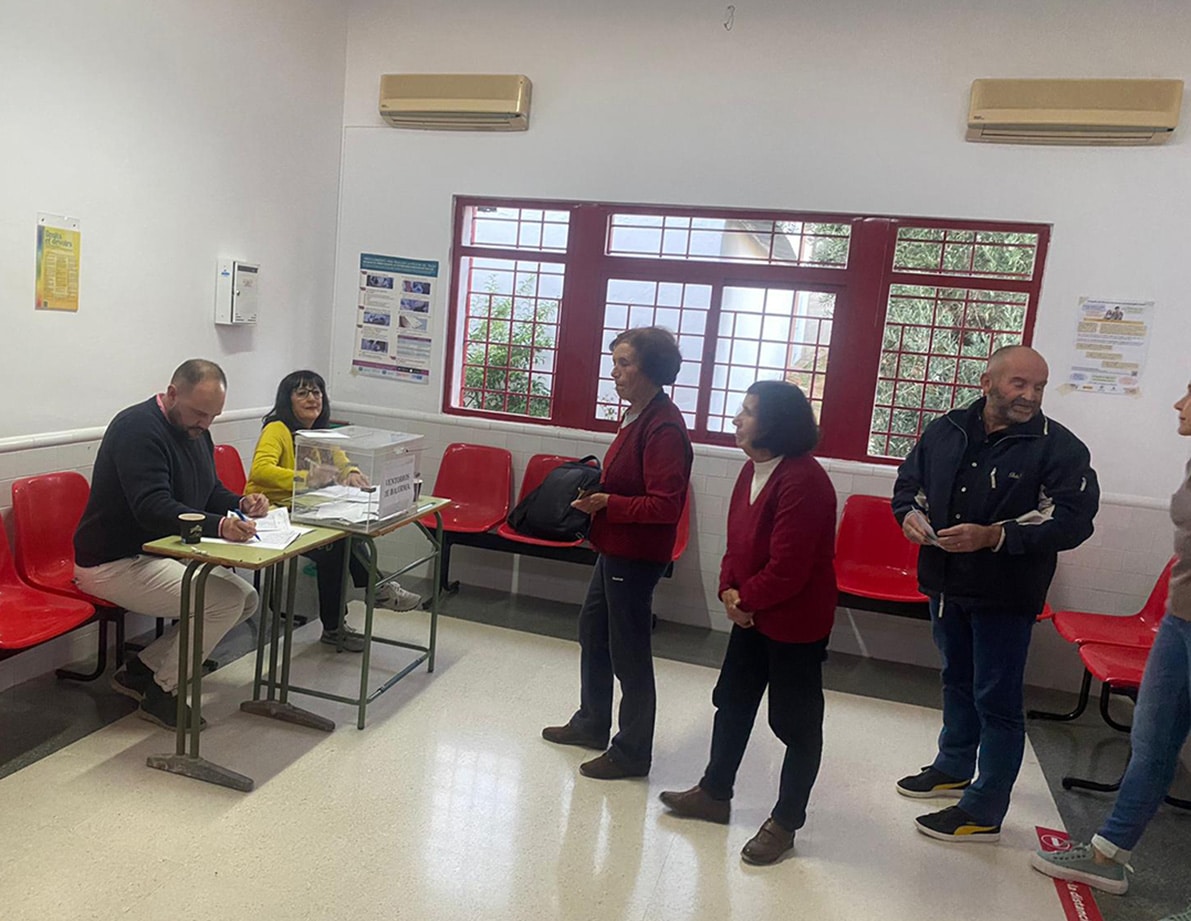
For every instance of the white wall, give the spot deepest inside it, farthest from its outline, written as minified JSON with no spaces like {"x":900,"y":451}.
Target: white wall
{"x":835,"y":106}
{"x":181,"y":131}
{"x":178,"y":132}
{"x":841,"y":106}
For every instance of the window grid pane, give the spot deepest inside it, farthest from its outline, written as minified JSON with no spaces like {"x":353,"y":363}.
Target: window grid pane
{"x":517,"y":228}
{"x":678,"y":307}
{"x":936,"y":345}
{"x":965,"y":253}
{"x":510,"y":335}
{"x":769,"y":334}
{"x":661,"y":236}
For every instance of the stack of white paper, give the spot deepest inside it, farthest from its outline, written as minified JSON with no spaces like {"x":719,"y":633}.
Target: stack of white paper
{"x":345,"y":503}
{"x":273,"y":532}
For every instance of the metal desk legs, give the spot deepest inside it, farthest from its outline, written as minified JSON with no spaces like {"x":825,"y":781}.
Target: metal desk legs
{"x":276,"y":705}
{"x":189,"y":763}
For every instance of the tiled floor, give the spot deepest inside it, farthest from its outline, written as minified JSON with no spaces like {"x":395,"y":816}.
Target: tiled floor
{"x":449,"y":805}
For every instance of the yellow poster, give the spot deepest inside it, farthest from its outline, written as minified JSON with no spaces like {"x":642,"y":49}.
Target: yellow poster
{"x":57,"y":264}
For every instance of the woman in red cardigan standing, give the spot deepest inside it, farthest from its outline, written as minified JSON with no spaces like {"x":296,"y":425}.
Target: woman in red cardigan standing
{"x":634,"y":523}
{"x":777,"y":585}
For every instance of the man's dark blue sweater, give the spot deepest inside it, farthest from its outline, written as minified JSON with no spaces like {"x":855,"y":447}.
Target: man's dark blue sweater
{"x":146,"y":474}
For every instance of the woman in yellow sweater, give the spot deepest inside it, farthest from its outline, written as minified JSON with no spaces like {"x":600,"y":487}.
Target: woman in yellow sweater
{"x":302,"y":403}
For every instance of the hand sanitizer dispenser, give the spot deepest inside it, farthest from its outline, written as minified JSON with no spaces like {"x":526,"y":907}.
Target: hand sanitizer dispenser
{"x":236,"y":292}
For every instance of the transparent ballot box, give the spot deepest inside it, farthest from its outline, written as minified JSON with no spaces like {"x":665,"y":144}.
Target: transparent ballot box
{"x":356,"y":478}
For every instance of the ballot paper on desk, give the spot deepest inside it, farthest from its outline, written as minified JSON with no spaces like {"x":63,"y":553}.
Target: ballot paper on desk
{"x":342,"y":504}
{"x":274,"y":531}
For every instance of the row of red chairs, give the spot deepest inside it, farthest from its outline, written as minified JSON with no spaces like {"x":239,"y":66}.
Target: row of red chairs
{"x":478,"y":480}
{"x":1113,"y":650}
{"x":38,"y":598}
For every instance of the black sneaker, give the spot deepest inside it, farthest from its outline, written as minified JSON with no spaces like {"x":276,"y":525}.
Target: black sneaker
{"x":162,"y":708}
{"x":929,"y":783}
{"x":953,"y":824}
{"x":132,"y":679}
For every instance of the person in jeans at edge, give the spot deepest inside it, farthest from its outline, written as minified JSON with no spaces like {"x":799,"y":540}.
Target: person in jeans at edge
{"x":1161,"y":721}
{"x":155,"y":462}
{"x":634,"y":523}
{"x":777,"y":585}
{"x":991,"y":494}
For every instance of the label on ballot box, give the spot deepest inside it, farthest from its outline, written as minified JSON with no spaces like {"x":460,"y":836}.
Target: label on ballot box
{"x":397,"y":492}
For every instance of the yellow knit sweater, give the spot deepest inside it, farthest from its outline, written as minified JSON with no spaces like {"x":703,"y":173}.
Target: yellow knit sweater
{"x":273,"y":465}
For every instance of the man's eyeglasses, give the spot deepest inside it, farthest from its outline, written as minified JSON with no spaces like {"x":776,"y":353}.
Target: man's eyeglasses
{"x":303,"y":392}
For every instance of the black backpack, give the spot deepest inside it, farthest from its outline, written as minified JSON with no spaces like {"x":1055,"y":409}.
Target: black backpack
{"x":546,"y":512}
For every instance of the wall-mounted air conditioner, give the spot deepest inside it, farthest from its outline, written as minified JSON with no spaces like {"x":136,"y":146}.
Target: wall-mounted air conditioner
{"x":456,"y":102}
{"x":1079,"y":112}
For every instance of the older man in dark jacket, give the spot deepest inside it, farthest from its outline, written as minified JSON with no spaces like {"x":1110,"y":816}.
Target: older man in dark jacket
{"x":992,"y":493}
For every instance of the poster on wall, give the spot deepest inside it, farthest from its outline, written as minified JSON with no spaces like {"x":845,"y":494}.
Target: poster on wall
{"x":1110,"y":344}
{"x":58,"y":241}
{"x":393,"y":332}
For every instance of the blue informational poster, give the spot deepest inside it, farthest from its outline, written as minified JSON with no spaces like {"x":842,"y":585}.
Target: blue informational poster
{"x":393,"y":331}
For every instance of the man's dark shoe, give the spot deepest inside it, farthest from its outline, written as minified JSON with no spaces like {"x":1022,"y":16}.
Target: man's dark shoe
{"x":929,"y":783}
{"x":568,"y":735}
{"x":132,"y":679}
{"x":605,"y":768}
{"x":697,"y":803}
{"x":953,"y":824}
{"x":769,"y":845}
{"x":162,"y":708}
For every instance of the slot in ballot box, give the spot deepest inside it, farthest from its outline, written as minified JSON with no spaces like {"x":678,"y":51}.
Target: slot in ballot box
{"x":355,"y":477}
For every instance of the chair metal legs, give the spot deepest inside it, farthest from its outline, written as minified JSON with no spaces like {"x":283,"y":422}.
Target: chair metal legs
{"x":1079,"y":783}
{"x":1085,"y":690}
{"x":101,"y":659}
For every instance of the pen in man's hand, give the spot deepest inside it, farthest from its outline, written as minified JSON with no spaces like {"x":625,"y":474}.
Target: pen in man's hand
{"x":243,"y":517}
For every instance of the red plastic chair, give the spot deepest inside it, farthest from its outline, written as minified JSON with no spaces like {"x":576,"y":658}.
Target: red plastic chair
{"x":1133,"y":630}
{"x":478,"y":479}
{"x":29,"y":616}
{"x":535,"y":471}
{"x":684,"y":530}
{"x":46,"y":510}
{"x":1119,"y":669}
{"x":873,"y":559}
{"x":229,"y":467}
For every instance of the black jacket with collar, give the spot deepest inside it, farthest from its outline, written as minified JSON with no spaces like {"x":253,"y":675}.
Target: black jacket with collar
{"x":1036,"y":481}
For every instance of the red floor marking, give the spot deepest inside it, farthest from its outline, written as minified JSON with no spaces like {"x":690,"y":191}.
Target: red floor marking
{"x":1076,"y":898}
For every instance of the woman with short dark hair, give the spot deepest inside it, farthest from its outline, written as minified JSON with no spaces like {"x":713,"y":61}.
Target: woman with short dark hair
{"x":635,"y":512}
{"x":302,"y":403}
{"x":777,"y":585}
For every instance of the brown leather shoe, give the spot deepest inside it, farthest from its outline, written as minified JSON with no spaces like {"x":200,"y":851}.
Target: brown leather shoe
{"x":604,"y":768}
{"x":697,"y":803}
{"x":768,"y":845}
{"x":568,"y":735}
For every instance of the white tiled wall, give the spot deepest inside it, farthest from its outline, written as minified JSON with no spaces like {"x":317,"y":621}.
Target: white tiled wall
{"x":1113,"y":572}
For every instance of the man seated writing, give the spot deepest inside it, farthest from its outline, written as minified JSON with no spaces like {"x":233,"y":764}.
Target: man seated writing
{"x":157,"y":461}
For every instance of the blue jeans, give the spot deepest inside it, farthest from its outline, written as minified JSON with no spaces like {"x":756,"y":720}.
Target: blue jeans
{"x":1161,"y":721}
{"x":984,"y":651}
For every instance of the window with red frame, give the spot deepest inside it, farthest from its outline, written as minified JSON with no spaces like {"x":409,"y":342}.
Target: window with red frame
{"x":884,"y":322}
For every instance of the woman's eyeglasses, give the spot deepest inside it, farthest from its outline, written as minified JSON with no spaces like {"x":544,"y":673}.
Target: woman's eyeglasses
{"x":303,"y":392}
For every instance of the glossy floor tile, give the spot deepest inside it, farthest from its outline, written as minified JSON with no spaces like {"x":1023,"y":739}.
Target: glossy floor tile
{"x":450,"y":805}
